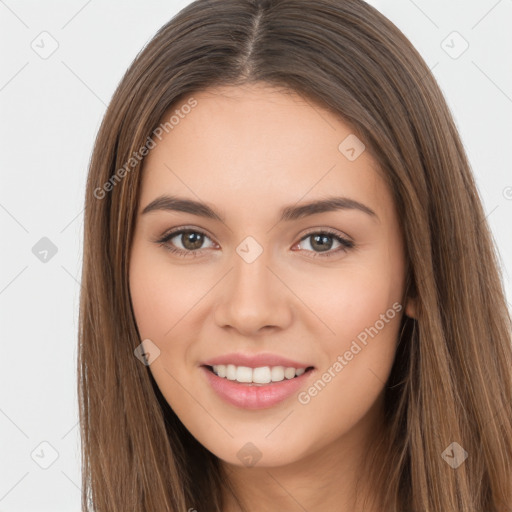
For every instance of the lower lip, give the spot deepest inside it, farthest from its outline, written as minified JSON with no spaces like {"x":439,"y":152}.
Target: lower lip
{"x":249,"y":396}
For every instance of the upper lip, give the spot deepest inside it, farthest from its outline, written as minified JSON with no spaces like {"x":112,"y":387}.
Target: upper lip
{"x":255,"y":360}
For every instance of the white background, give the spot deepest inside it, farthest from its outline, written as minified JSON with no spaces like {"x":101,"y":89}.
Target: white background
{"x":50,"y":111}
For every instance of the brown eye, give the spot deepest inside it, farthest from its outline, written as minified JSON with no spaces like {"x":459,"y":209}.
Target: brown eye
{"x":323,"y":241}
{"x":191,"y":242}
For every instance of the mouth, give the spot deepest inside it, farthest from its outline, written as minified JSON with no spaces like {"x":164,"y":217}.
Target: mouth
{"x":260,"y":376}
{"x":255,"y":388}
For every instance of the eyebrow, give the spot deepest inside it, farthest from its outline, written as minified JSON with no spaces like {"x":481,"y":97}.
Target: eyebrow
{"x":288,"y":213}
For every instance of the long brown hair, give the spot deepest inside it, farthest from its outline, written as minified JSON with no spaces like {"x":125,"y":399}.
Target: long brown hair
{"x":452,"y":378}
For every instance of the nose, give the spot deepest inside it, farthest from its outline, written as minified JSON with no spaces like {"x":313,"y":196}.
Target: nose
{"x":253,"y":298}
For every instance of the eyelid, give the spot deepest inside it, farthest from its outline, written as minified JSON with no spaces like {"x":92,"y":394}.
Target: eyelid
{"x":330,"y":231}
{"x":175,"y":231}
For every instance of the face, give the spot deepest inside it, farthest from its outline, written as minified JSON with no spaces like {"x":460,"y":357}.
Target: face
{"x":296,"y":308}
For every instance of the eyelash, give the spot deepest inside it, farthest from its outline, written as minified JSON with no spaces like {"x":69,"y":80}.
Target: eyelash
{"x":163,"y":241}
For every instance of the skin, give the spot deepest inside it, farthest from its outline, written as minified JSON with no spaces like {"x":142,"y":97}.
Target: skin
{"x":247,"y":152}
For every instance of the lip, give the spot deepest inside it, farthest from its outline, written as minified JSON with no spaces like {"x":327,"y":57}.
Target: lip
{"x":251,"y":396}
{"x":255,"y":360}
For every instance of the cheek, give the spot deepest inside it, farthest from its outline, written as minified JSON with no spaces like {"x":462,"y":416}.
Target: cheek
{"x":356,"y":364}
{"x":350,"y":300}
{"x":365,"y":320}
{"x":161,"y":295}
{"x":362,"y":307}
{"x":161,"y":300}
{"x":152,"y":298}
{"x":364,"y":312}
{"x":364,"y":300}
{"x":166,"y":302}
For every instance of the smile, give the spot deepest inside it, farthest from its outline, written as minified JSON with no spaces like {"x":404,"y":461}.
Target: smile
{"x":255,"y":388}
{"x":260,"y":375}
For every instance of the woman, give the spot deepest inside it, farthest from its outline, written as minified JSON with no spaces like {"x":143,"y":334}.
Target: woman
{"x":291,"y":299}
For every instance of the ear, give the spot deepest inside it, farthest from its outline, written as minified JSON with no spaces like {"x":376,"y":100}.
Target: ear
{"x":411,"y":307}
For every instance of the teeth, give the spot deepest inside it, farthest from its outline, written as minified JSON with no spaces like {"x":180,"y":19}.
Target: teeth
{"x":289,"y":373}
{"x":277,"y":373}
{"x":260,"y":375}
{"x":230,"y":371}
{"x":243,"y":374}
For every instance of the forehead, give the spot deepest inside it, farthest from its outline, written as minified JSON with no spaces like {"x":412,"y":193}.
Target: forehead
{"x":260,"y":120}
{"x":257,"y":143}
